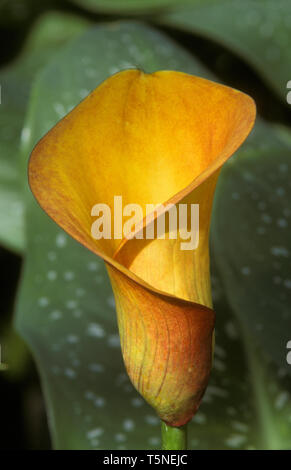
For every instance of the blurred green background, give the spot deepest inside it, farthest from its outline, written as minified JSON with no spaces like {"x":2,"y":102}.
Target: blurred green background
{"x":65,"y":385}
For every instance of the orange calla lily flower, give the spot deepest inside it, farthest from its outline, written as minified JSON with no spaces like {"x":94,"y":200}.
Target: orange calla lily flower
{"x":156,"y":138}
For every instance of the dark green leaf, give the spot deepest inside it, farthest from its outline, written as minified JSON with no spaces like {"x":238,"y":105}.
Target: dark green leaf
{"x":257,"y":30}
{"x":124,"y":6}
{"x":251,"y":235}
{"x":51,"y":31}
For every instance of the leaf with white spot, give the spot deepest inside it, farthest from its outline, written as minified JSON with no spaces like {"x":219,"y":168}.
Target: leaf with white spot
{"x":257,"y":30}
{"x":252,"y":249}
{"x":48,"y":34}
{"x":251,"y":228}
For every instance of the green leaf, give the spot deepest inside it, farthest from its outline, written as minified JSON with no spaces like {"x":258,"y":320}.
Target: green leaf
{"x":11,"y":206}
{"x":251,"y":248}
{"x":66,"y":311}
{"x":250,"y":407}
{"x":15,"y":355}
{"x":257,"y":30}
{"x":49,"y":33}
{"x":133,"y":6}
{"x":13,"y":12}
{"x":251,"y":236}
{"x":124,"y":6}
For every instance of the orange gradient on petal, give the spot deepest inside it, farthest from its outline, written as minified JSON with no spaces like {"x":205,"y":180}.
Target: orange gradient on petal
{"x":154,"y":139}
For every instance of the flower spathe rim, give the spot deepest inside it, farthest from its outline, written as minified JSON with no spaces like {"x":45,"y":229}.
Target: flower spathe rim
{"x":214,"y":166}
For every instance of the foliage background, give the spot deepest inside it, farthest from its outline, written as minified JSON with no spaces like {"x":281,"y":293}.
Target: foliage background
{"x":57,"y":320}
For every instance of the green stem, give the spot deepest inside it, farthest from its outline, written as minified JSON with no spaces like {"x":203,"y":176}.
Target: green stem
{"x":174,"y":438}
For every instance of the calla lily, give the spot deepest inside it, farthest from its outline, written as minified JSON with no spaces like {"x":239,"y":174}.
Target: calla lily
{"x":156,"y":138}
